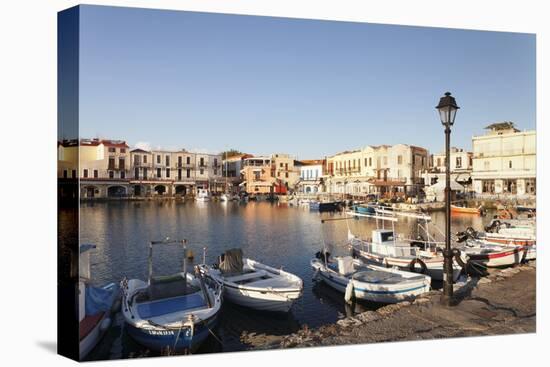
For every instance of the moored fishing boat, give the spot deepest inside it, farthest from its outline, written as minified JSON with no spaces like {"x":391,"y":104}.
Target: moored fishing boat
{"x":324,"y":206}
{"x":510,"y":237}
{"x":203,"y":195}
{"x":255,"y":285}
{"x":171,"y":313}
{"x":368,"y":282}
{"x":363,"y":209}
{"x":494,"y":256}
{"x":385,"y":250}
{"x":96,"y":305}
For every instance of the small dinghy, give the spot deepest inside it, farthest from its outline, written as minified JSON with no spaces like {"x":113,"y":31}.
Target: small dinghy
{"x":172,"y":313}
{"x":252,"y":284}
{"x":368,"y":282}
{"x":95,"y":305}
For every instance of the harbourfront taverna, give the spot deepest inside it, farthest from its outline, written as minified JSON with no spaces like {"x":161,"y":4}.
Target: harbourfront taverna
{"x":502,"y":164}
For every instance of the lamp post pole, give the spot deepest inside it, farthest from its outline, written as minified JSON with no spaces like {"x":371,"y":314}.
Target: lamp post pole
{"x":447,"y":111}
{"x":447,"y":254}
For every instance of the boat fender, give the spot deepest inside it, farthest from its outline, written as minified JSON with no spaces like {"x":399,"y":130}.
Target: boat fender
{"x":105,"y":324}
{"x":350,"y":293}
{"x":423,"y":267}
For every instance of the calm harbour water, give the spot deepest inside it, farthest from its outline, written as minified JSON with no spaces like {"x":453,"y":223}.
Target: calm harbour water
{"x":276,"y":234}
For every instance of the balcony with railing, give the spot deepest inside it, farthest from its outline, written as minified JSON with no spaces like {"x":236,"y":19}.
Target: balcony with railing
{"x":185,"y":165}
{"x":502,"y":152}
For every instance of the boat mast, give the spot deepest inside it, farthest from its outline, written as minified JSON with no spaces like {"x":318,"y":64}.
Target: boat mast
{"x":226,"y":171}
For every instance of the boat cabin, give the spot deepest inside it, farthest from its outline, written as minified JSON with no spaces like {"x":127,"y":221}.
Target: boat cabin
{"x":384,"y":242}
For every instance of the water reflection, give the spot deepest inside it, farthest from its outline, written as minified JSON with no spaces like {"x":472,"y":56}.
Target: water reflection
{"x":278,"y":235}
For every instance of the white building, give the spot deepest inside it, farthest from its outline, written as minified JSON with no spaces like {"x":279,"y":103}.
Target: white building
{"x":311,"y":176}
{"x":461,"y":167}
{"x":504,"y":161}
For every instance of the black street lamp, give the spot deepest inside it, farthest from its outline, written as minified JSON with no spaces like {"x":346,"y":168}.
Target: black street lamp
{"x":447,"y":108}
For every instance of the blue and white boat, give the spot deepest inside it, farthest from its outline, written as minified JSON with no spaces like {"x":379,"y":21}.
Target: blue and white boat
{"x":358,"y":280}
{"x":364,"y":209}
{"x":173,"y":313}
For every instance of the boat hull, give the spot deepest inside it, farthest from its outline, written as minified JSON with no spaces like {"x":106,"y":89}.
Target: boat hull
{"x":374,"y":292}
{"x":88,"y":343}
{"x":499,"y":259}
{"x":463,"y":210}
{"x":262,"y":301}
{"x":263,"y":298}
{"x":158,"y":339}
{"x":434,"y":268}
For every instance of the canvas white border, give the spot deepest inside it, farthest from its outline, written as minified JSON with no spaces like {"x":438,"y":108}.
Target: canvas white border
{"x":28,"y":115}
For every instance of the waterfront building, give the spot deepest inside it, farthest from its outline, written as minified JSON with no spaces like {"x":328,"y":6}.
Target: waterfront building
{"x":67,"y":159}
{"x":168,"y":173}
{"x":184,"y":168}
{"x":461,"y":168}
{"x":383,"y":170}
{"x":104,"y":168}
{"x":346,"y":175}
{"x":231,"y":171}
{"x":208,"y":173}
{"x":504,"y":161}
{"x":257,"y":175}
{"x":67,"y":168}
{"x":285,"y":173}
{"x":312,"y":174}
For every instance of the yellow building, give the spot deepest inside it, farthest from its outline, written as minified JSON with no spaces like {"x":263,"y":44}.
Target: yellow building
{"x":380,"y":170}
{"x":104,"y":168}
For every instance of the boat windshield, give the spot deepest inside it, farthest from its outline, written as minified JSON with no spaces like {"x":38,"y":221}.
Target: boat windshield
{"x":386,"y":236}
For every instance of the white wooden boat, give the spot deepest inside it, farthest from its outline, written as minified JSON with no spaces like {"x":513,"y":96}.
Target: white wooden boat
{"x":225,"y":197}
{"x":96,"y":304}
{"x":493,"y":256}
{"x":369,"y":282}
{"x":171,"y":313}
{"x":503,"y":236}
{"x":203,"y":195}
{"x":385,"y":250}
{"x":252,"y":284}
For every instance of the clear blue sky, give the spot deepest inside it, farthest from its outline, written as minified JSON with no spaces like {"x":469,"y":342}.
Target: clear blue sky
{"x":310,"y":88}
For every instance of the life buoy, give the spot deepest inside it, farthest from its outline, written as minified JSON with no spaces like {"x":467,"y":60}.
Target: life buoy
{"x":423,"y":267}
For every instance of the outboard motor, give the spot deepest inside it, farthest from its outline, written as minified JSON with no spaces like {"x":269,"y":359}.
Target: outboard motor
{"x":471,"y":232}
{"x":461,"y":236}
{"x":493,"y":226}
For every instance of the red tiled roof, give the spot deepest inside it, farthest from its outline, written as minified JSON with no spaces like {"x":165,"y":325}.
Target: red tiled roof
{"x":106,"y":142}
